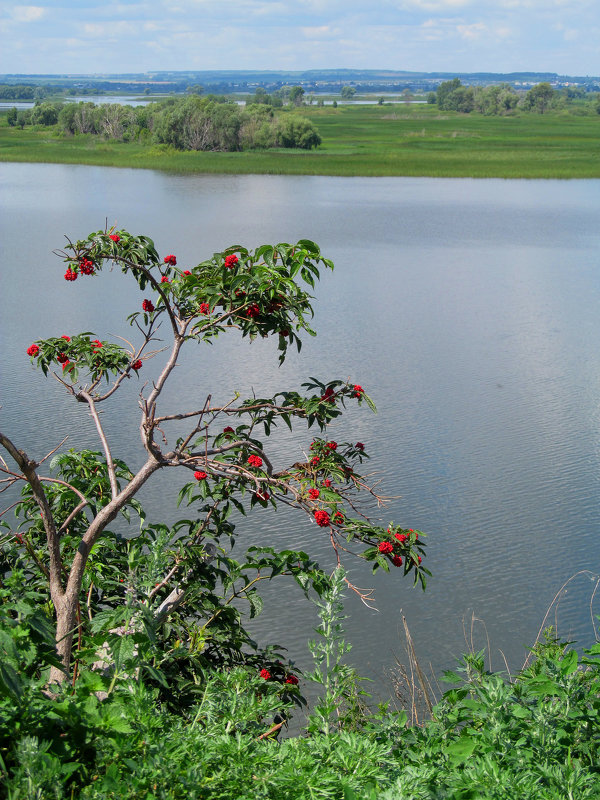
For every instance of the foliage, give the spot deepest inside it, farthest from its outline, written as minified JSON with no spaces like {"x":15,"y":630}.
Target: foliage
{"x":209,"y":123}
{"x":539,"y":98}
{"x":532,"y":737}
{"x":453,"y":96}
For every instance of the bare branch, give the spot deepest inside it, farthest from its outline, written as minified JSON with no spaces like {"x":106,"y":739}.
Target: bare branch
{"x":28,"y":467}
{"x":108,"y":455}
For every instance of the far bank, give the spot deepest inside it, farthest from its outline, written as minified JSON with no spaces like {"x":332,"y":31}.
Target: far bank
{"x":383,"y":140}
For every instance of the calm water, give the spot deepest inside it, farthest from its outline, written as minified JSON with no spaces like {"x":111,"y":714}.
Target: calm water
{"x":468,"y":310}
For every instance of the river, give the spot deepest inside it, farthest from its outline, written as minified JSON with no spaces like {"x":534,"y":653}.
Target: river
{"x":467,"y":309}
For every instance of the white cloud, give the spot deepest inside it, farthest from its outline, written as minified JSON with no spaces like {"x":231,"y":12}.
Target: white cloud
{"x":471,"y":32}
{"x":105,"y":30}
{"x":319,"y":32}
{"x":27,"y":13}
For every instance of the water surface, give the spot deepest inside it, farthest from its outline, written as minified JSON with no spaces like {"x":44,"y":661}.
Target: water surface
{"x":467,"y":309}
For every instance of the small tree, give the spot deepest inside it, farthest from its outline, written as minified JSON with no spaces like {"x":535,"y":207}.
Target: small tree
{"x":296,"y":95}
{"x":347,"y":92}
{"x":539,"y":98}
{"x":63,"y":537}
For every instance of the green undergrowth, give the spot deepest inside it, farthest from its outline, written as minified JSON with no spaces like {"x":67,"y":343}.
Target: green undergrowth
{"x":388,"y":140}
{"x":535,"y":736}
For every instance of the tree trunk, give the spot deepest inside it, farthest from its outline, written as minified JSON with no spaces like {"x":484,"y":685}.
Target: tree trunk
{"x":65,"y":628}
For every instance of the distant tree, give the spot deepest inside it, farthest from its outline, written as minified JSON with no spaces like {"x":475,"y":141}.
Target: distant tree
{"x":347,"y":92}
{"x":114,"y":120}
{"x":259,"y":96}
{"x":11,"y":116}
{"x":294,"y":131}
{"x":257,"y":131}
{"x":432,"y":98}
{"x":461,"y":98}
{"x":296,"y":95}
{"x":23,"y":118}
{"x":539,"y":97}
{"x":444,"y":90}
{"x":78,"y":118}
{"x":380,"y":101}
{"x":453,"y":96}
{"x":195,"y":89}
{"x":407,"y":95}
{"x":490,"y":100}
{"x":334,"y":104}
{"x":45,"y":114}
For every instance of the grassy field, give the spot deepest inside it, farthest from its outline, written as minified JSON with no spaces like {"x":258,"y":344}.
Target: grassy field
{"x":362,"y":140}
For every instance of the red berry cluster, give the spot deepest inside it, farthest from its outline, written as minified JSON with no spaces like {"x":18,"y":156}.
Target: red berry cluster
{"x":228,"y":429}
{"x":338,"y":518}
{"x":313,"y":493}
{"x":328,"y":395}
{"x":170,"y":260}
{"x":357,"y":391}
{"x":148,"y":305}
{"x":359,"y":446}
{"x":164,"y":279}
{"x":200,"y":475}
{"x":387,"y":548}
{"x":263,"y":496}
{"x":253,"y":311}
{"x":136,"y":365}
{"x":231,"y":261}
{"x":331,"y":445}
{"x":115,"y":237}
{"x":255,"y":461}
{"x":70,"y":275}
{"x":33,"y":350}
{"x":86,"y":267}
{"x":322,"y":518}
{"x":204,"y":308}
{"x":292,"y":680}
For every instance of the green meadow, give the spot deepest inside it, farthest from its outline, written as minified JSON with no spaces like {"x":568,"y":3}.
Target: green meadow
{"x":369,"y":140}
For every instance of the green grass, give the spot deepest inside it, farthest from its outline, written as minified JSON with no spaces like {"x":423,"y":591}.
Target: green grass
{"x":374,"y":140}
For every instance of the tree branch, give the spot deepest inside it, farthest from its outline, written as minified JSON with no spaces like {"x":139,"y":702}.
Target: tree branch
{"x":28,"y":466}
{"x":109,"y":460}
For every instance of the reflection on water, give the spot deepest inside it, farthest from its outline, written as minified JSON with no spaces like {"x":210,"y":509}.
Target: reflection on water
{"x":468,"y":309}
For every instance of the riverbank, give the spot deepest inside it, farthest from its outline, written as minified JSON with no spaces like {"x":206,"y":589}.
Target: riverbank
{"x":387,"y":140}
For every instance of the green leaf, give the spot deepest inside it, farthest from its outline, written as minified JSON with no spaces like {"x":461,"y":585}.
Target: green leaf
{"x":10,"y":683}
{"x":569,"y":662}
{"x":461,"y":749}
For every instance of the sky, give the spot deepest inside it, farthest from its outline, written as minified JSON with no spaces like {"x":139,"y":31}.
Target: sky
{"x":93,"y":37}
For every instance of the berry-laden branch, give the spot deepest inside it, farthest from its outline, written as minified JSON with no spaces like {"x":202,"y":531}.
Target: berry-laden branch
{"x":255,"y":294}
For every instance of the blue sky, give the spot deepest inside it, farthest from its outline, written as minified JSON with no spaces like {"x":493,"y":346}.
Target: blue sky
{"x":87,"y":36}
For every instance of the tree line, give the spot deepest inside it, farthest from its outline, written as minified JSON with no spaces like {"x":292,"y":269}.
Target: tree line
{"x":191,"y":123}
{"x":504,"y":99}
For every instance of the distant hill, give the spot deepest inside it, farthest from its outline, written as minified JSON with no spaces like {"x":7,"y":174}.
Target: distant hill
{"x":327,"y":80}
